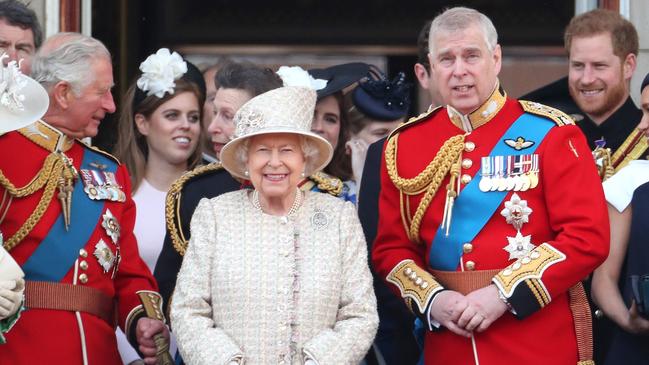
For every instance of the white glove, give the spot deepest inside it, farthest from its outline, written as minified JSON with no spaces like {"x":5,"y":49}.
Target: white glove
{"x":357,"y":148}
{"x":11,"y":297}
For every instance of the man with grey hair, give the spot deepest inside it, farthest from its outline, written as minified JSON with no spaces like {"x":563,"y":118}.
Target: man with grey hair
{"x":490,"y":213}
{"x":69,"y":222}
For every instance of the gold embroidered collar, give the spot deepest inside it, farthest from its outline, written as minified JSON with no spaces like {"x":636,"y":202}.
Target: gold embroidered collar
{"x":47,"y":137}
{"x":482,"y":115}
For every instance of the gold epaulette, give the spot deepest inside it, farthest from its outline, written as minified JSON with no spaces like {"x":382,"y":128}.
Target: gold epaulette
{"x":172,"y":205}
{"x":325,"y":183}
{"x":633,"y":147}
{"x":557,"y":116}
{"x":414,"y":120}
{"x":100,"y":151}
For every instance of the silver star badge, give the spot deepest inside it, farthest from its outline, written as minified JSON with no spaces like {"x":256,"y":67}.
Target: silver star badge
{"x":104,"y":255}
{"x":519,"y":246}
{"x":111,"y":225}
{"x":516,"y":212}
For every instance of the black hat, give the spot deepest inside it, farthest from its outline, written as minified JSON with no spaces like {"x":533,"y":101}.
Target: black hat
{"x":382,"y":99}
{"x":194,"y":75}
{"x":645,"y":82}
{"x":339,"y":77}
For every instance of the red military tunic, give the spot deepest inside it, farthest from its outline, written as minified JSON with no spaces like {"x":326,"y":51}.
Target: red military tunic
{"x":568,"y":217}
{"x":47,"y":336}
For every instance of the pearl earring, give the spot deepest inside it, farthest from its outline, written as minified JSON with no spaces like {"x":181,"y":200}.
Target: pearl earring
{"x":246,"y":173}
{"x":303,"y":174}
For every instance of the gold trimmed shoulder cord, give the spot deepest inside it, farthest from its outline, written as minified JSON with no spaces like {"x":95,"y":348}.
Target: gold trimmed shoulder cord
{"x":172,"y":205}
{"x":57,"y":171}
{"x":428,"y":180}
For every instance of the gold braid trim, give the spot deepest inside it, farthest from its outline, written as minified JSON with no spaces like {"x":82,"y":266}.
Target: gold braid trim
{"x":37,"y":182}
{"x":583,"y":323}
{"x":429,"y":179}
{"x":172,"y":205}
{"x":633,"y":147}
{"x":327,"y":183}
{"x":51,"y":179}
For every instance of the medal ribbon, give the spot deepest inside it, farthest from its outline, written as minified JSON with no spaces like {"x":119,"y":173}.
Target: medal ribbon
{"x":473,"y":208}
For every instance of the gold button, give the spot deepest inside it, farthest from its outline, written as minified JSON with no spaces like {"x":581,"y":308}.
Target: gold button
{"x":83,"y":278}
{"x":83,"y":265}
{"x":469,"y":146}
{"x":467,"y":247}
{"x":83,"y":253}
{"x":470,"y":265}
{"x":465,"y":179}
{"x":467,"y":163}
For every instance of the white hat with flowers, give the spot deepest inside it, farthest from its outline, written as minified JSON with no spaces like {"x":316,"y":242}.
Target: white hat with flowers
{"x":288,"y":109}
{"x":23,"y":101}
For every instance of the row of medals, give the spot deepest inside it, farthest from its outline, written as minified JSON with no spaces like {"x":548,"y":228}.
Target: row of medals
{"x":509,"y":173}
{"x":520,"y":182}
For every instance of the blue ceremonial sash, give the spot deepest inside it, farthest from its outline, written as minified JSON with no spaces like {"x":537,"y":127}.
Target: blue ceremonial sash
{"x":473,"y":208}
{"x":56,"y":254}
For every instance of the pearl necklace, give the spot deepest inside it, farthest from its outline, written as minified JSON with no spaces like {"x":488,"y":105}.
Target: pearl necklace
{"x":296,"y":202}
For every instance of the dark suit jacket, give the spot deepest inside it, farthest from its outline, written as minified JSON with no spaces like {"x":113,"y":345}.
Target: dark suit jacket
{"x":395,"y":337}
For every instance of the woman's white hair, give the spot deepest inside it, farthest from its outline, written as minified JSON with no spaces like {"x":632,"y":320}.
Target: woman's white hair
{"x":309,"y":151}
{"x":68,"y":57}
{"x":461,"y":18}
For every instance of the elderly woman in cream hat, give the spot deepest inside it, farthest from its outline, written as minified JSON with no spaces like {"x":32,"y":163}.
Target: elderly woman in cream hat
{"x":274,"y":275}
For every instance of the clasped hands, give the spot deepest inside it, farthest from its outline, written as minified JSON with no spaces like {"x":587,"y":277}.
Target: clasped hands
{"x":463,"y":314}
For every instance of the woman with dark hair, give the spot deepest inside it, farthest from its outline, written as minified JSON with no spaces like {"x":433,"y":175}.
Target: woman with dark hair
{"x":159,"y":135}
{"x":617,"y":285}
{"x":330,"y":118}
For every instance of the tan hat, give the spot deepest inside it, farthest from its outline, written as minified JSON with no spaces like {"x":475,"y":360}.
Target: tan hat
{"x":288,"y":109}
{"x":23,"y":101}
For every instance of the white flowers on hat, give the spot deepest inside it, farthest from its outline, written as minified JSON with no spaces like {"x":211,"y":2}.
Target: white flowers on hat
{"x":296,"y":76}
{"x":12,"y":81}
{"x":160,"y":71}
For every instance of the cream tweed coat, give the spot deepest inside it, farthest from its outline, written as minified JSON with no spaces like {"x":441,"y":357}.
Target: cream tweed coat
{"x":263,"y":289}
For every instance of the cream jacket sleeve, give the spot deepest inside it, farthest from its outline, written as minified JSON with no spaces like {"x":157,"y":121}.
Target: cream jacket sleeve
{"x":199,"y":340}
{"x":357,"y":321}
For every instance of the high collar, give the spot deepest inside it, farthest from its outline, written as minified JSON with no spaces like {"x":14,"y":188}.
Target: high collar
{"x":47,"y":137}
{"x":483,"y":114}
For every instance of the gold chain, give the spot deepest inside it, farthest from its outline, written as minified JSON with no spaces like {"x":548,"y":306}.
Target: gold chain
{"x":429,"y":179}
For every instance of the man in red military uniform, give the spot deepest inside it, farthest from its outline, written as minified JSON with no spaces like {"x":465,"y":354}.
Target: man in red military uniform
{"x":67,"y":219}
{"x":490,"y":214}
